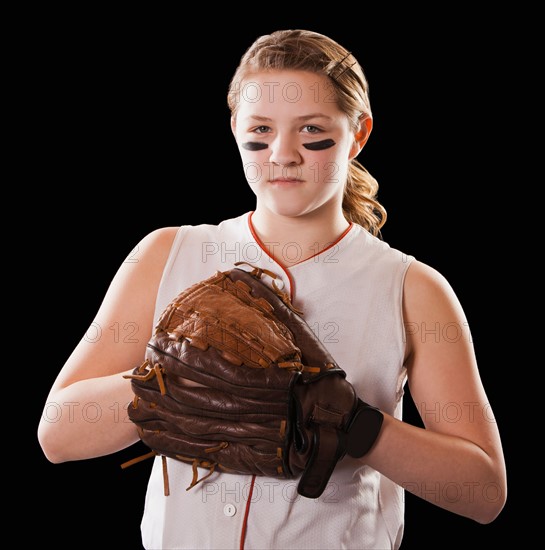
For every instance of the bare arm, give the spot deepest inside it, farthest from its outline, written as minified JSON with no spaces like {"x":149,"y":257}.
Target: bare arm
{"x":457,"y":461}
{"x":85,"y":412}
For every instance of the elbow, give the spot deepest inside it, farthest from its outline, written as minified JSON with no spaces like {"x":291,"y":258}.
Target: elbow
{"x":491,"y":511}
{"x":48,"y":441}
{"x":489,"y":514}
{"x":490,"y":493}
{"x":494,"y":497}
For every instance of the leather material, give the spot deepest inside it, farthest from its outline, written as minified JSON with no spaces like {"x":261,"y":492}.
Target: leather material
{"x":234,"y":380}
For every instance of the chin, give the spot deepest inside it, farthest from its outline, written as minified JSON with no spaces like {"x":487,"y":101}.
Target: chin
{"x":289,"y":210}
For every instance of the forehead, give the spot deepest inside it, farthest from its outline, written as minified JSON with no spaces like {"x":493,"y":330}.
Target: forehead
{"x":270,"y":92}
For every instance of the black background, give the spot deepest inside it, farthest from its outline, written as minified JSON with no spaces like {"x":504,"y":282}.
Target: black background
{"x":127,"y":127}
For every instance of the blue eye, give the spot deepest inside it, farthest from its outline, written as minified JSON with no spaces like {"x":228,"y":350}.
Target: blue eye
{"x":311,"y":129}
{"x":261,"y":129}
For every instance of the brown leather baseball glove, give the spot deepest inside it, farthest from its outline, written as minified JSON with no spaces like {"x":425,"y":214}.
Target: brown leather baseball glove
{"x":234,"y":380}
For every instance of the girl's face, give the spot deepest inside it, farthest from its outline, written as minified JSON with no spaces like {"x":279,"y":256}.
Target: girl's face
{"x":294,"y":142}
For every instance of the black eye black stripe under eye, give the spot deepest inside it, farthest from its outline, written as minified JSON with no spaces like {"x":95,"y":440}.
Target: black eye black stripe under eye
{"x":254,"y":146}
{"x":319,"y":145}
{"x":315,"y":146}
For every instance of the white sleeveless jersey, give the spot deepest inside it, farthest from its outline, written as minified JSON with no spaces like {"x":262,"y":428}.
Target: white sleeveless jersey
{"x":351,"y":296}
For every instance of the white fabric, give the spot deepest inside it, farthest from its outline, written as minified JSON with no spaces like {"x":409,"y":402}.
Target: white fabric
{"x":351,"y":295}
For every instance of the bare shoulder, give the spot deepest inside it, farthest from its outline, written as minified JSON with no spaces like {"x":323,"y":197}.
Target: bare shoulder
{"x":428,"y":290}
{"x":422,"y":278}
{"x":156,"y":243}
{"x":147,"y":259}
{"x":431,"y":309}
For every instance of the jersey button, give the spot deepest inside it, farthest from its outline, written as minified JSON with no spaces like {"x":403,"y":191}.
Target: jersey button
{"x":229,"y":510}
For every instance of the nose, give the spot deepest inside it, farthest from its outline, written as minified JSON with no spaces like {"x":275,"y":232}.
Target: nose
{"x":284,"y":151}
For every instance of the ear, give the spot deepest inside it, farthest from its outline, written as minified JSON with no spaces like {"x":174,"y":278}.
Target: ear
{"x":361,"y":136}
{"x":234,"y":125}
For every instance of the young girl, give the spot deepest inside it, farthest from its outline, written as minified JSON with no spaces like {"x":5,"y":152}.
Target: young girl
{"x":300,"y":117}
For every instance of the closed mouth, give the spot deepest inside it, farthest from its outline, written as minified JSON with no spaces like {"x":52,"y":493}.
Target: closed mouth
{"x":286,"y":180}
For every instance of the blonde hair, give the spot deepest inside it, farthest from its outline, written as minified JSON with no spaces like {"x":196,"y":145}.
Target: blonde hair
{"x":310,"y":51}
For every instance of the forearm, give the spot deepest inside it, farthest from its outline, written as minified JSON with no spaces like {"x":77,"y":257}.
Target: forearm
{"x":447,"y":471}
{"x":87,"y":419}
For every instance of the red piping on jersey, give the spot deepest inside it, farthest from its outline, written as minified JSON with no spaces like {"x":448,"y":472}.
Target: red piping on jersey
{"x":285,"y":269}
{"x":262,"y":246}
{"x":246,"y":513}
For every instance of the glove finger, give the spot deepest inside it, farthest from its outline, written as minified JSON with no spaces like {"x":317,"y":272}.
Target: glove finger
{"x":209,"y":368}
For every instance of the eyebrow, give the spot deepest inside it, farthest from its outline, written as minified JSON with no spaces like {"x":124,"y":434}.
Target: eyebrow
{"x":300,"y":118}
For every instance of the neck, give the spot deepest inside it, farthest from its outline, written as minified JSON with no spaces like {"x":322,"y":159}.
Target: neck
{"x":290,"y":240}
